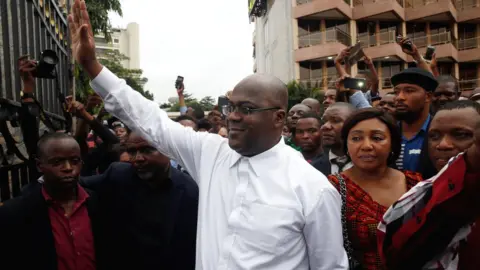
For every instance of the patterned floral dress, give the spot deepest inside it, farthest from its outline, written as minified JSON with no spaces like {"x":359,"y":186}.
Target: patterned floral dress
{"x":363,"y":216}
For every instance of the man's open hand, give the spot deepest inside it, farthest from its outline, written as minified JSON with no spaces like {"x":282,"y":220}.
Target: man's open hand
{"x":82,"y":39}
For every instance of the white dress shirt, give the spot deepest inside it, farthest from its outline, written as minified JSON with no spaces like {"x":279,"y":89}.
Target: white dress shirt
{"x":334,"y":167}
{"x":270,"y":211}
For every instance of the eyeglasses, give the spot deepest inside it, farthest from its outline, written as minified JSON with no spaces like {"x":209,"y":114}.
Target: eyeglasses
{"x":227,"y":109}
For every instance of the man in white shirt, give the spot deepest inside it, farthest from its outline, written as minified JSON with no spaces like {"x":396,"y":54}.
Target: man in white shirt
{"x":262,"y":206}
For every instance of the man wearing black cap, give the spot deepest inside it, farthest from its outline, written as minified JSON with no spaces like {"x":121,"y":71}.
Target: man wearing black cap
{"x":413,"y":95}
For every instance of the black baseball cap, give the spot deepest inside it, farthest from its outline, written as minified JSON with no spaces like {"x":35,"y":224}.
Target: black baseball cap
{"x":416,"y":76}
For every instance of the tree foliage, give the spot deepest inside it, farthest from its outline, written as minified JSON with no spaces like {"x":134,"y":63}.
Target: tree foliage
{"x":133,"y":77}
{"x":206,"y":104}
{"x":98,"y":13}
{"x":298,"y":91}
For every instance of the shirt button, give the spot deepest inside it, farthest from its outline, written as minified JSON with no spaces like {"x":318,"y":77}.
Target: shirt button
{"x":71,"y":233}
{"x":78,"y":253}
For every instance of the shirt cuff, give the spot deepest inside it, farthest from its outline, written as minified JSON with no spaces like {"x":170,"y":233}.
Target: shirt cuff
{"x":183,"y":110}
{"x":105,"y":82}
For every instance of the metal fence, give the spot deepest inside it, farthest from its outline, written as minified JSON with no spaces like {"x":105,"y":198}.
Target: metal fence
{"x":29,"y":27}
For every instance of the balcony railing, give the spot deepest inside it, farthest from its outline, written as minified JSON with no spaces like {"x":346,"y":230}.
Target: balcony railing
{"x":320,"y":82}
{"x":321,"y":37}
{"x":465,"y":4}
{"x":468,"y":44}
{"x":467,"y":85}
{"x":363,"y":2}
{"x":384,"y":37}
{"x":301,"y":2}
{"x":386,"y":82}
{"x":419,"y":3}
{"x":436,"y":39}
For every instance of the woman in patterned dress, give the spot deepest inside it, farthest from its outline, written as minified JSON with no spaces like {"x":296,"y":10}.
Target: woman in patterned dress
{"x":372,"y":140}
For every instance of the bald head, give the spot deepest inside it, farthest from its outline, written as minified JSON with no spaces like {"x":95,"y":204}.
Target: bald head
{"x":343,"y":105}
{"x":267,"y":88}
{"x":313,"y":104}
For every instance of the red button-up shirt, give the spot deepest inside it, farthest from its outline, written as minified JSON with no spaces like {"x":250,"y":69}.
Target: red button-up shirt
{"x":72,"y":234}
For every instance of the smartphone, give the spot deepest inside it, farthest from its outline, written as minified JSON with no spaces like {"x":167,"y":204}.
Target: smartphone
{"x":407,"y":45}
{"x":179,"y":82}
{"x":356,"y":53}
{"x":222,"y":104}
{"x":429,"y":53}
{"x":355,"y":83}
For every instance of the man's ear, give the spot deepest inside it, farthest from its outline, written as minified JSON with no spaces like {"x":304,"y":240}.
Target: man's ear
{"x":280,"y":118}
{"x":429,"y":97}
{"x":39,"y":165}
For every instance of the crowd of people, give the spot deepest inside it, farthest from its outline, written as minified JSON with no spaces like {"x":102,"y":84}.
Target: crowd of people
{"x":358,"y":180}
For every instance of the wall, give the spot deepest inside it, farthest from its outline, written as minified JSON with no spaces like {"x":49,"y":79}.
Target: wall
{"x":274,"y":41}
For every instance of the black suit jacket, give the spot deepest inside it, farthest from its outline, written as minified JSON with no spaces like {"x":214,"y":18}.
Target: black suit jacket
{"x":148,"y":229}
{"x":26,"y":238}
{"x":323,"y":164}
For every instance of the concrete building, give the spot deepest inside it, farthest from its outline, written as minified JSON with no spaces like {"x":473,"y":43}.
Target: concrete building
{"x":273,"y":42}
{"x":126,"y":41}
{"x":320,"y":29}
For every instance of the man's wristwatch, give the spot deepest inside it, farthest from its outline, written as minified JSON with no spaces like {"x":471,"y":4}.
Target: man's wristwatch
{"x":24,"y":95}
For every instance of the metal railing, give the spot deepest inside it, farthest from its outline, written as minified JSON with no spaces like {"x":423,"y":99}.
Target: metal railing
{"x":419,"y":3}
{"x":436,"y":39}
{"x":320,"y":82}
{"x":363,"y":2}
{"x":468,"y":43}
{"x":321,"y":37}
{"x":384,"y":37}
{"x":465,"y":4}
{"x":301,"y":2}
{"x":386,"y":82}
{"x":467,"y":85}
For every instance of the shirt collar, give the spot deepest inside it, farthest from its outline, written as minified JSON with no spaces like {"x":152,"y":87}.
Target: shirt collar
{"x":259,"y":161}
{"x":332,"y":156}
{"x":82,"y":195}
{"x":426,"y":123}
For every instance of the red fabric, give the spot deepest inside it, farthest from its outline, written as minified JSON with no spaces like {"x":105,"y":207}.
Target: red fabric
{"x":363,"y":216}
{"x":469,"y":259}
{"x":73,"y":235}
{"x":417,"y":239}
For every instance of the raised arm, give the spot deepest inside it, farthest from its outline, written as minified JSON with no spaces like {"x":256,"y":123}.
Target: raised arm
{"x":170,"y":138}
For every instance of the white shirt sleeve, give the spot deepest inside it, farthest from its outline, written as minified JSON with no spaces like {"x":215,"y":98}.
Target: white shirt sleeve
{"x":323,"y":233}
{"x":144,"y":116}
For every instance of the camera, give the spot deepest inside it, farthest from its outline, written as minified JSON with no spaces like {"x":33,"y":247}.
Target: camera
{"x":46,"y":66}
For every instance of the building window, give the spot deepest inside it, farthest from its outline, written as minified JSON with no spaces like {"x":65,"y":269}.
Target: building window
{"x":116,"y":41}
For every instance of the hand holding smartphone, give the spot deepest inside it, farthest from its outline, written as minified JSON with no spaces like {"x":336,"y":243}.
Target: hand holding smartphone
{"x":179,"y":82}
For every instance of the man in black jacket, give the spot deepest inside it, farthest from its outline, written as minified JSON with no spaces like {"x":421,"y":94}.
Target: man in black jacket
{"x":52,"y":225}
{"x":150,"y":210}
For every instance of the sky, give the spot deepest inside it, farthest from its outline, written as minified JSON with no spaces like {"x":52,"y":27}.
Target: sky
{"x":207,"y":42}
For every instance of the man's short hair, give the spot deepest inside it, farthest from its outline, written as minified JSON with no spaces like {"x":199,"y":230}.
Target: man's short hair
{"x":204,"y":124}
{"x":185,"y":117}
{"x":460,"y":104}
{"x":307,"y":116}
{"x":447,"y":79}
{"x":46,"y":138}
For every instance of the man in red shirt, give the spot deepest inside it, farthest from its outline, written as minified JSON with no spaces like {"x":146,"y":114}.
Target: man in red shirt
{"x":49,"y":227}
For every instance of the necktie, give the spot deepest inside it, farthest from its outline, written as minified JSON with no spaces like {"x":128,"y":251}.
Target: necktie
{"x":340,"y":163}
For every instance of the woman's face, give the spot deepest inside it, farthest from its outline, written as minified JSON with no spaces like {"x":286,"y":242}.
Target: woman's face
{"x":369,"y":144}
